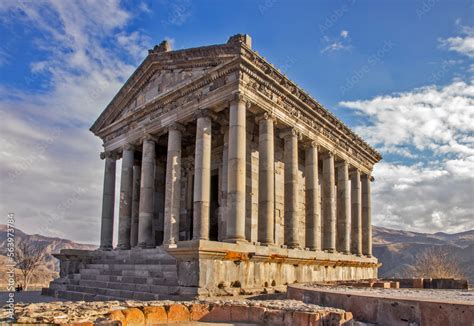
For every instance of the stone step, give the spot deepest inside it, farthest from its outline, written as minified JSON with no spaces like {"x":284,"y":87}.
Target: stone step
{"x":130,"y":286}
{"x":112,"y":292}
{"x":93,"y":293}
{"x":163,"y":267}
{"x":133,"y":273}
{"x":127,"y":279}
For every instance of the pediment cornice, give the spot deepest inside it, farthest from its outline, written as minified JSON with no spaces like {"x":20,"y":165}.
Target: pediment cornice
{"x":208,"y":56}
{"x":270,"y":79}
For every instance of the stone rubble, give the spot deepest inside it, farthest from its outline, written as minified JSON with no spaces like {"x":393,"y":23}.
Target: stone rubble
{"x":71,"y":312}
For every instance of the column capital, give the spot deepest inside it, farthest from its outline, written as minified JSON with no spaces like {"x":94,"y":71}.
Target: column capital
{"x":128,"y":147}
{"x":312,"y":144}
{"x":176,"y":126}
{"x":149,"y":137}
{"x":341,"y":163}
{"x":241,"y":97}
{"x":203,"y":113}
{"x":265,"y":116}
{"x":289,"y":132}
{"x":328,"y":154}
{"x":367,"y":176}
{"x":108,"y":154}
{"x":353,"y":171}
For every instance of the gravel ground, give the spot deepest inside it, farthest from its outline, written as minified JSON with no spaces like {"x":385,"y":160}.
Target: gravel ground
{"x":423,"y":294}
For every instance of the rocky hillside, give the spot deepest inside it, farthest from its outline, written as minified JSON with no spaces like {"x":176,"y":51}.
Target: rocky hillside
{"x":397,"y":250}
{"x":49,"y":246}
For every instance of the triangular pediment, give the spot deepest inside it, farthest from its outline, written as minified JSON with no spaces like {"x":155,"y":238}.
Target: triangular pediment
{"x":161,"y":82}
{"x":161,"y":73}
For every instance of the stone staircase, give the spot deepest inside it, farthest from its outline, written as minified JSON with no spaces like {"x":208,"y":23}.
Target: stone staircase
{"x":138,"y":274}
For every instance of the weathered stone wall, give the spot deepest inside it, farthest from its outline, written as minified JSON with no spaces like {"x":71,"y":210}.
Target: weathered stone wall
{"x":389,"y":309}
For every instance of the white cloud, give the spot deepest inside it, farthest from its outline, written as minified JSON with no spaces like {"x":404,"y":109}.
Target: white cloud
{"x":423,"y":198}
{"x":49,"y":160}
{"x":437,"y":119}
{"x":463,"y":44}
{"x":342,"y":42}
{"x":432,"y":126}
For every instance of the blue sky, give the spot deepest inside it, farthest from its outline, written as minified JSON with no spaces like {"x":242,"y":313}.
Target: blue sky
{"x":399,"y":73}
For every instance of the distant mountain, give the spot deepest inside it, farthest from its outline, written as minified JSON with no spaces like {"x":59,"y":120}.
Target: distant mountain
{"x":49,"y":246}
{"x":397,"y":250}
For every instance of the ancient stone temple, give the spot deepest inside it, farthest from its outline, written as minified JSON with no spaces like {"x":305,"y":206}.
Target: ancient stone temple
{"x":233,"y":180}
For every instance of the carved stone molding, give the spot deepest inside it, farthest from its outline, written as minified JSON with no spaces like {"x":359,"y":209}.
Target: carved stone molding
{"x":177,"y":126}
{"x":108,"y":154}
{"x":149,"y":137}
{"x":128,"y":147}
{"x":289,"y":132}
{"x":265,"y":116}
{"x":202,"y":113}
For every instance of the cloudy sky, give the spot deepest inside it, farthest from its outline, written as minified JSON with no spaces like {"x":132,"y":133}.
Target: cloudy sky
{"x":399,"y":73}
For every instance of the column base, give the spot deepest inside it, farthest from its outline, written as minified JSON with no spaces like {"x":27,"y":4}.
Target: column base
{"x":236,"y":240}
{"x":106,"y":248}
{"x":293,"y":246}
{"x":145,"y":246}
{"x":123,"y":247}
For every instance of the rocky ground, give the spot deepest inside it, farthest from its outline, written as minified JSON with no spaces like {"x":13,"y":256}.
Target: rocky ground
{"x":83,"y":312}
{"x":427,"y":294}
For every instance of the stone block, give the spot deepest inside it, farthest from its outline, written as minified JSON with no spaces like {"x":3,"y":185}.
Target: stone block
{"x":274,"y":317}
{"x":239,"y":313}
{"x":178,"y":313}
{"x":384,"y":285}
{"x":218,"y":313}
{"x":300,"y":318}
{"x":394,"y":285}
{"x":134,"y":317}
{"x":417,"y":283}
{"x":256,"y":314}
{"x":117,"y":315}
{"x":427,"y":283}
{"x":155,"y":315}
{"x":198,"y":311}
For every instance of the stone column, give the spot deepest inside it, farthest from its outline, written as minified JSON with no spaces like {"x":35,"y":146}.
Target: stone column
{"x":266,"y":180}
{"x":202,"y":176}
{"x":291,"y":188}
{"x":137,"y":171}
{"x":356,"y":213}
{"x":313,"y":209}
{"x":223,"y":186}
{"x":329,"y":204}
{"x":147,"y":185}
{"x":108,"y":202}
{"x":343,"y":208}
{"x":236,"y":171}
{"x":366,"y":216}
{"x":173,"y":185}
{"x":126,"y":192}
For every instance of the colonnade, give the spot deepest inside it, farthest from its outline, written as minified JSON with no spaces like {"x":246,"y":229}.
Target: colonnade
{"x":340,"y":222}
